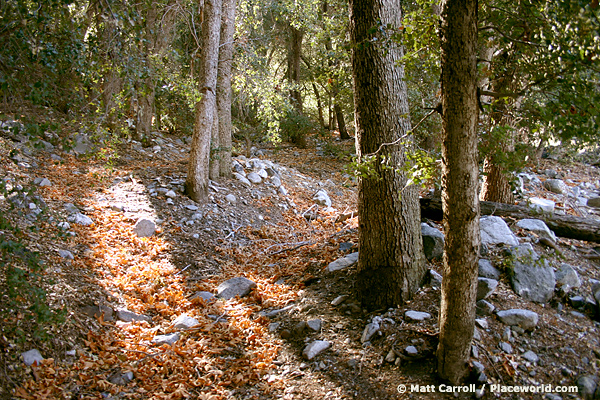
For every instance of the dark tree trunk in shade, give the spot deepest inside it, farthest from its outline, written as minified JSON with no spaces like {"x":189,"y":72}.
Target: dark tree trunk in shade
{"x":391,"y":264}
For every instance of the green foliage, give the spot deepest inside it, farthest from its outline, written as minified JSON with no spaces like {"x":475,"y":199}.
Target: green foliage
{"x":295,"y":127}
{"x":21,"y":283}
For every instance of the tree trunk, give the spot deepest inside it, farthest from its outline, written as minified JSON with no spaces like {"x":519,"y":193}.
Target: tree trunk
{"x":319,"y":105}
{"x":215,"y":143}
{"x":196,"y":184}
{"x":294,"y":56}
{"x":224,"y":87}
{"x":391,"y":263}
{"x":340,"y":122}
{"x":459,"y":187}
{"x":567,"y":226}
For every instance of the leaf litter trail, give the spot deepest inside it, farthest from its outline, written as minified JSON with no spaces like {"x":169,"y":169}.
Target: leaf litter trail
{"x":229,"y":348}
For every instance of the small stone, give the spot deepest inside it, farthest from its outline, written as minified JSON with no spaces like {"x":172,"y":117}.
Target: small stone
{"x":530,"y":356}
{"x":66,"y":254}
{"x":314,"y":324}
{"x":144,"y":227}
{"x":538,"y":227}
{"x":273,"y":326}
{"x":32,"y":357}
{"x":191,"y":207}
{"x":315,"y":348}
{"x":339,"y":300}
{"x":567,"y":278}
{"x":242,"y":179}
{"x":344,"y":262}
{"x":129,"y":316}
{"x":121,"y":378}
{"x":322,"y":198}
{"x":45,"y":183}
{"x":275,"y":181}
{"x":482,"y":323}
{"x":391,"y":356}
{"x":254,"y":178}
{"x":370,"y":330}
{"x":171,"y":194}
{"x":411,"y":351}
{"x":206,"y":296}
{"x":166,"y":339}
{"x":506,"y":347}
{"x":184,"y":321}
{"x":435,"y":278}
{"x":231,"y":198}
{"x":495,"y":231}
{"x":478,"y":367}
{"x":577,"y":301}
{"x":416,"y":316}
{"x":238,"y":286}
{"x":80,"y":219}
{"x":63,"y":226}
{"x":262,"y":173}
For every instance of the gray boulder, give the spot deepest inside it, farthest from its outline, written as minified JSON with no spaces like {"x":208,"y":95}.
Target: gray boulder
{"x":238,"y":286}
{"x":416,"y":316}
{"x":495,"y":231}
{"x":485,"y":287}
{"x":254,"y":178}
{"x":487,"y":270}
{"x":129,"y":316}
{"x":526,"y":319}
{"x":315,"y":348}
{"x":538,"y":227}
{"x":567,"y":278}
{"x":343,"y":262}
{"x":556,"y":186}
{"x":433,"y":242}
{"x":533,"y":278}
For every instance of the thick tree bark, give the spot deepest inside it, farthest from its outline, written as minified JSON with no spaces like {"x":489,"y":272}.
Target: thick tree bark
{"x":196,"y":184}
{"x":224,"y":87}
{"x":567,"y":226}
{"x":341,"y":122}
{"x":391,"y":263}
{"x":459,"y":187}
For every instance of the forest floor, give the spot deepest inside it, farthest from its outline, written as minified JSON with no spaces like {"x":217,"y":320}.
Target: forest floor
{"x":242,"y":348}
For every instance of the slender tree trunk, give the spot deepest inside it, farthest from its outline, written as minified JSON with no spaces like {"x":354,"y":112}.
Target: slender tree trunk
{"x":293,"y":58}
{"x":339,"y":114}
{"x":391,"y":263}
{"x":319,"y":105}
{"x":224,"y":87}
{"x":215,"y":143}
{"x":196,"y":184}
{"x":459,"y":182}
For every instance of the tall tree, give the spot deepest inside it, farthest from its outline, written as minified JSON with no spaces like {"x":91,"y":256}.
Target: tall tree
{"x":391,"y":262}
{"x":196,"y":184}
{"x":459,"y":186}
{"x":224,"y":87}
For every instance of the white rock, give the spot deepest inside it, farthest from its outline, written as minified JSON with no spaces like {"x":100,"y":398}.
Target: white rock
{"x":128,"y":316}
{"x":314,"y":324}
{"x":171,"y":194}
{"x":166,"y":339}
{"x":262,"y":173}
{"x":567,"y":278}
{"x":184,"y":321}
{"x":556,"y":186}
{"x":537,"y":226}
{"x":45,"y":182}
{"x":231,"y":198}
{"x":495,"y":231}
{"x":254,"y":178}
{"x":275,"y":181}
{"x":315,"y":348}
{"x":370,"y":329}
{"x":63,"y":226}
{"x":66,"y":254}
{"x":322,"y":198}
{"x":80,"y":219}
{"x":32,"y":356}
{"x":541,"y":205}
{"x":343,"y":262}
{"x":530,"y":356}
{"x":416,"y":315}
